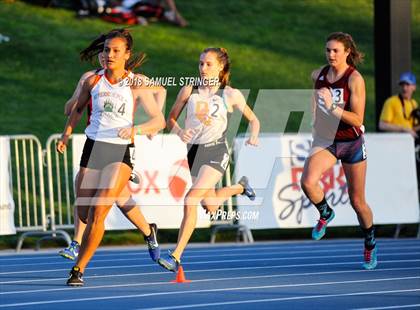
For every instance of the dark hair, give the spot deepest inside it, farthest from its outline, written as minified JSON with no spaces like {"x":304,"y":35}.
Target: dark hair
{"x":97,"y":46}
{"x":355,"y":57}
{"x":223,"y":58}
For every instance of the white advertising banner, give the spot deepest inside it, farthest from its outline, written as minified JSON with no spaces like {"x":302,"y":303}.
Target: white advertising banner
{"x":162,"y":167}
{"x":7,"y":205}
{"x":275,"y":168}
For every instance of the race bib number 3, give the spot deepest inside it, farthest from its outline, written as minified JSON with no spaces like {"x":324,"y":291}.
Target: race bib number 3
{"x":338,"y":95}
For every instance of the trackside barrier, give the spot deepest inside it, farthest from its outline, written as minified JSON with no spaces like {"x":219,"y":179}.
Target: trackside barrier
{"x":26,"y":172}
{"x":34,"y":216}
{"x":60,"y":185}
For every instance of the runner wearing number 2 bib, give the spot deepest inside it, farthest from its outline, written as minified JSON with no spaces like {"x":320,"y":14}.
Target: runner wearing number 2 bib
{"x":339,"y":107}
{"x":208,"y":110}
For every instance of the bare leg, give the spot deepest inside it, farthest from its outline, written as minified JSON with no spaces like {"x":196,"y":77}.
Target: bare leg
{"x":113,"y":179}
{"x":316,"y":165}
{"x":356,"y":179}
{"x":215,"y":198}
{"x":86,"y":181}
{"x":79,"y":227}
{"x":206,"y":180}
{"x":132,"y":212}
{"x":177,"y":18}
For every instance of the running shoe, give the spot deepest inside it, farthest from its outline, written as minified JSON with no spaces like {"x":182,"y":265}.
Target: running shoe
{"x":152,"y":243}
{"x":169,"y":262}
{"x":248,"y":190}
{"x":370,"y":259}
{"x":76,"y":277}
{"x":319,"y":230}
{"x":71,"y":252}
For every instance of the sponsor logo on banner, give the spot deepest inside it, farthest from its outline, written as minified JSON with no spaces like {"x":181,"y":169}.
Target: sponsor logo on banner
{"x":178,"y":179}
{"x":289,"y":201}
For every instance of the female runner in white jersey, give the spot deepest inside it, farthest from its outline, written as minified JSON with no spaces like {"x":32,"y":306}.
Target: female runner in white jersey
{"x":125,"y":202}
{"x":106,"y":155}
{"x":208,"y":110}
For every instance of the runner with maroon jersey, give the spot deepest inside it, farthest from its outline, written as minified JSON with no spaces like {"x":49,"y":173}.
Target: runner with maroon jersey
{"x":338,"y":111}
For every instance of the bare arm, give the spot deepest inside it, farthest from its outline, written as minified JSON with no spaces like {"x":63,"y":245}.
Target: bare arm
{"x":314,"y":76}
{"x":177,"y":108}
{"x":157,"y":120}
{"x":184,"y":134}
{"x":238,"y":102}
{"x":71,"y":103}
{"x":144,"y":95}
{"x":385,"y":126}
{"x":76,"y":114}
{"x":160,"y":97}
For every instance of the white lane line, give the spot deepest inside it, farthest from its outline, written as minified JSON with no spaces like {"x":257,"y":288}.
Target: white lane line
{"x":253,"y":301}
{"x":66,"y":262}
{"x":358,"y":244}
{"x":209,"y":280}
{"x":213,"y":270}
{"x":218,"y":261}
{"x":73,"y":300}
{"x":390,"y":307}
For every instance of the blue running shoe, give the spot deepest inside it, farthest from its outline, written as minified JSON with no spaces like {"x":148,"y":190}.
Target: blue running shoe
{"x":370,"y":259}
{"x":248,"y":190}
{"x":319,"y":230}
{"x":71,"y":252}
{"x":152,"y":243}
{"x":169,"y":262}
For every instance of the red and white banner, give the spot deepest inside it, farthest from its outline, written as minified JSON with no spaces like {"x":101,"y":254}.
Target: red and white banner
{"x":275,"y":168}
{"x":162,"y":166}
{"x":7,"y":205}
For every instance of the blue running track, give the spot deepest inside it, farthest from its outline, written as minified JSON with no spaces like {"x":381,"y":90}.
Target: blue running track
{"x":324,"y":274}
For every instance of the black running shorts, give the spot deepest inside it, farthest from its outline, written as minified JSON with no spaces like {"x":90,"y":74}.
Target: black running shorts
{"x":98,"y":154}
{"x":214,"y":154}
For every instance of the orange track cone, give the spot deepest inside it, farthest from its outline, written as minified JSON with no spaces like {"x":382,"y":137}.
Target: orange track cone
{"x":180,"y":277}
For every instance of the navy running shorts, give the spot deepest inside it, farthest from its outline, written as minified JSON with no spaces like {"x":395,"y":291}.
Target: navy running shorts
{"x":349,"y":152}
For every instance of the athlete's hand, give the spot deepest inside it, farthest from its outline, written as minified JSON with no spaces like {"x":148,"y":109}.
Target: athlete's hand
{"x":187,"y":134}
{"x":126,"y":133}
{"x":325,"y":94}
{"x":252,"y":140}
{"x":62,"y":145}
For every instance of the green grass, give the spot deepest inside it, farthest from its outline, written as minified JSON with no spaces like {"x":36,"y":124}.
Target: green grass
{"x":272,"y":44}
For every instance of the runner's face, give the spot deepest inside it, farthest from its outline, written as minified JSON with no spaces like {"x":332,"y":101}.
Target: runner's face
{"x":115,"y":53}
{"x":335,"y":53}
{"x":209,"y":66}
